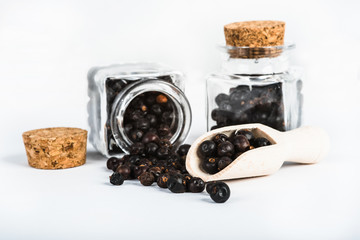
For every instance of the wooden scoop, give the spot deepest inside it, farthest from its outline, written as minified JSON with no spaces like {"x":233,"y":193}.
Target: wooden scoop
{"x":303,"y":145}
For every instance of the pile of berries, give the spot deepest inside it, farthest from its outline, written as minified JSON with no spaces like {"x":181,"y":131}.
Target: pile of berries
{"x":157,"y":162}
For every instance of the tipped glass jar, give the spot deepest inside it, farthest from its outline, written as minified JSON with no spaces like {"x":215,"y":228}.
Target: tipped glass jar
{"x":136,"y":102}
{"x":256,"y":85}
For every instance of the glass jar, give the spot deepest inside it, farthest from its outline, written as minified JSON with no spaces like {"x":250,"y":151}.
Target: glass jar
{"x":256,"y":85}
{"x":133,"y":102}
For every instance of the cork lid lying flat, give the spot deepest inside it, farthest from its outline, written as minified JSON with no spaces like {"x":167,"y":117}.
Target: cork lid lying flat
{"x":55,"y":148}
{"x":257,"y":37}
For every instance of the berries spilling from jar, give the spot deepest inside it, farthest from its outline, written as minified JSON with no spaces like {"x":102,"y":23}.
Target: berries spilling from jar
{"x":220,"y":151}
{"x":157,"y":163}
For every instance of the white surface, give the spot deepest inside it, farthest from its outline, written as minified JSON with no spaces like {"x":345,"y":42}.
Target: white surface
{"x":46,"y":49}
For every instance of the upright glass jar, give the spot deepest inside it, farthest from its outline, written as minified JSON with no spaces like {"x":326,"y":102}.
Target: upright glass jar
{"x":256,"y":85}
{"x":133,"y":102}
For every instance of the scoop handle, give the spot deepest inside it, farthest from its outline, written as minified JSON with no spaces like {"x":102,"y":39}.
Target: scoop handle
{"x":306,"y":144}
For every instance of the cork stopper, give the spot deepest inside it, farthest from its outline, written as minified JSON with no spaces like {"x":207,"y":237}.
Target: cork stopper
{"x":255,"y":39}
{"x":55,"y":148}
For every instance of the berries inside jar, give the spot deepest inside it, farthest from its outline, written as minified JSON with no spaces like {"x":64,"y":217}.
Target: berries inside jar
{"x":150,"y":116}
{"x":249,"y":104}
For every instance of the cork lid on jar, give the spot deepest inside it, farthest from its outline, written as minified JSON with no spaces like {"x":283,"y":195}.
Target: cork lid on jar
{"x":255,"y":39}
{"x":55,"y":148}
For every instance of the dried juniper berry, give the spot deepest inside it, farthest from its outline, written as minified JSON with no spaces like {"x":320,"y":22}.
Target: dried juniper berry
{"x":163,"y":129}
{"x":167,"y":117}
{"x":143,"y":108}
{"x":144,"y":162}
{"x":156,"y":171}
{"x":142,"y":124}
{"x":183,"y":150}
{"x":209,"y":186}
{"x":236,"y":155}
{"x":220,"y":138}
{"x":196,"y":185}
{"x":136,"y":115}
{"x":187,"y":177}
{"x":207,"y":148}
{"x":147,"y":178}
{"x":156,"y":109}
{"x":223,"y":162}
{"x":137,"y":102}
{"x":163,"y":152}
{"x":209,"y":165}
{"x":241,"y":143}
{"x":116,"y":179}
{"x":150,"y":137}
{"x":152,"y":119}
{"x":214,"y":127}
{"x":239,"y":96}
{"x":153,"y":160}
{"x":151,"y":148}
{"x":225,"y":106}
{"x":125,"y":171}
{"x":261,"y":142}
{"x":214,"y":114}
{"x":161,"y":98}
{"x":112,"y":163}
{"x":176,"y":183}
{"x":138,"y":170}
{"x":225,"y":149}
{"x":163,"y":179}
{"x":125,"y":158}
{"x":128,"y":127}
{"x":133,"y":159}
{"x":172,"y":170}
{"x":174,"y":160}
{"x":221,"y":98}
{"x":219,"y":192}
{"x":165,"y":143}
{"x":137,"y":148}
{"x":136,"y":135}
{"x":162,"y":164}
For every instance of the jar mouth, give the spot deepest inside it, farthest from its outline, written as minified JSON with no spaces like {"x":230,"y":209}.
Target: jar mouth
{"x":256,"y":52}
{"x":124,"y":99}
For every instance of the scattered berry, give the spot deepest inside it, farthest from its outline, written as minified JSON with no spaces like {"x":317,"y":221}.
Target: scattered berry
{"x":219,"y":192}
{"x":147,"y":178}
{"x":116,"y":179}
{"x":196,"y":185}
{"x":176,"y":183}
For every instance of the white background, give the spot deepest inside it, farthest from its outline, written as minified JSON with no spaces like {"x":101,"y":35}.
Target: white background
{"x":46,"y":49}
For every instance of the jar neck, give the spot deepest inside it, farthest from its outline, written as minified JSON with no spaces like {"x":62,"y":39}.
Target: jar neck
{"x":122,"y":101}
{"x":256,"y":60}
{"x":261,"y":66}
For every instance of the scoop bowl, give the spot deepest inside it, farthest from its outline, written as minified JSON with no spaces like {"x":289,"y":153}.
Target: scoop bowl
{"x":306,"y":145}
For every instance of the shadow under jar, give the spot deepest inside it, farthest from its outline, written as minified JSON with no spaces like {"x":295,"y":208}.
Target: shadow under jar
{"x":132,"y":103}
{"x":256,"y":85}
